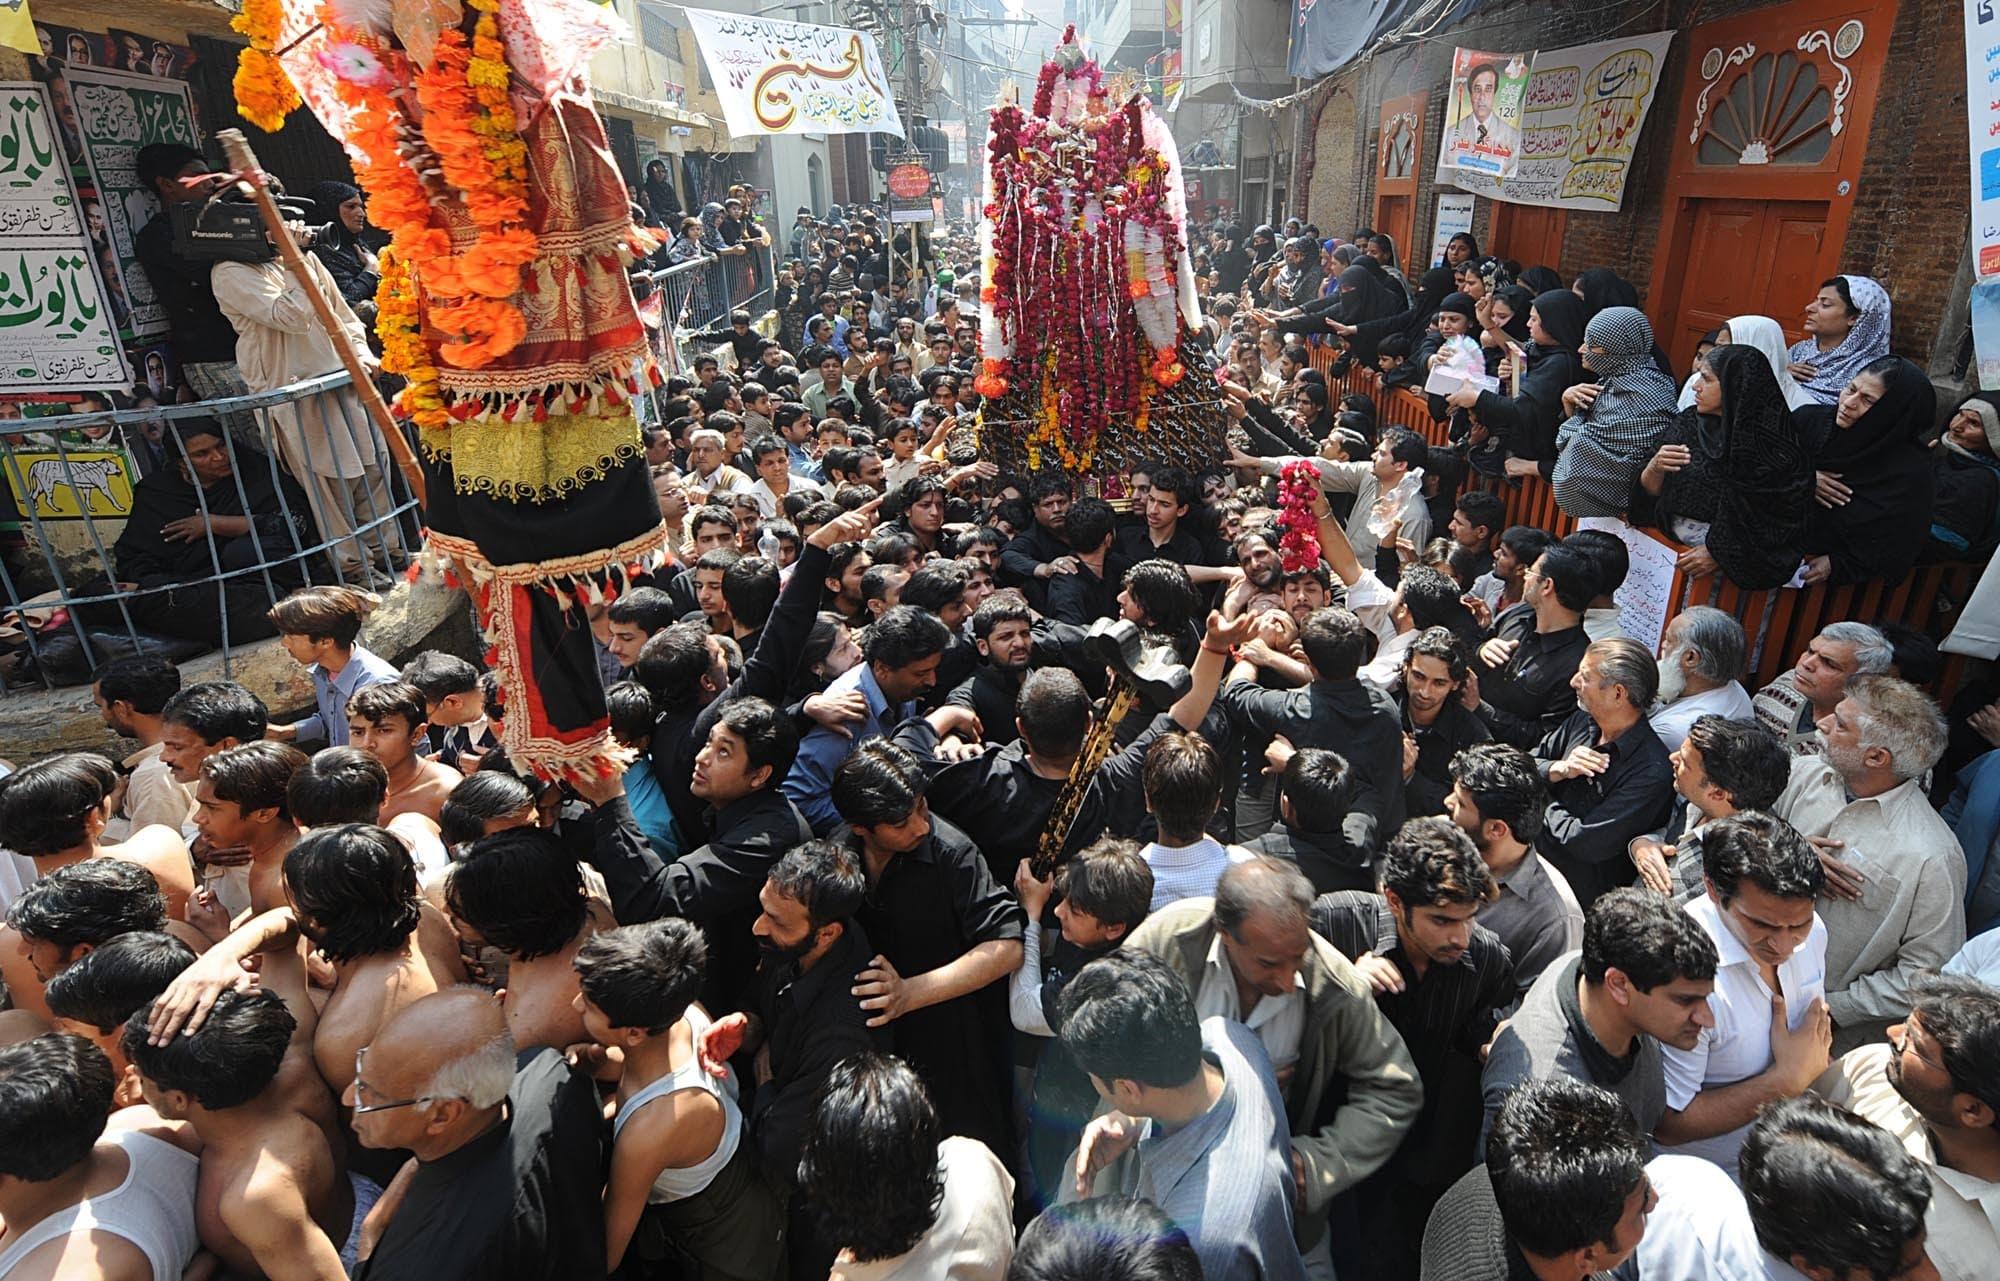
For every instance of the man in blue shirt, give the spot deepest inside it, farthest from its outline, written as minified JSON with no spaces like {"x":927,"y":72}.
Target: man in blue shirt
{"x":902,"y":651}
{"x":1199,"y":1101}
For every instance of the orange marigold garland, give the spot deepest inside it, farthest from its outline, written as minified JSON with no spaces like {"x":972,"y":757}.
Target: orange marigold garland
{"x":468,"y":125}
{"x":265,"y":95}
{"x":398,"y":326}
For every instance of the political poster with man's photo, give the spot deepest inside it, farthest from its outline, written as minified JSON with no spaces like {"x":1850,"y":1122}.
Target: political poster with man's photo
{"x":1482,"y":125}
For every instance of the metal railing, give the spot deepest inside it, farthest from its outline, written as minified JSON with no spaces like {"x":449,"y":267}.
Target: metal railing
{"x":696,"y":296}
{"x":83,"y":584}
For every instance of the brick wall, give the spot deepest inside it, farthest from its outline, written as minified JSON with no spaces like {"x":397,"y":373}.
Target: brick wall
{"x":1909,"y":223}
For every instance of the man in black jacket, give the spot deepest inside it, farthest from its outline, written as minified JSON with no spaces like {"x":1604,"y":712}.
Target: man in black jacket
{"x":1525,"y":669}
{"x":1315,"y":792}
{"x":1042,"y":551}
{"x":803,"y":1019}
{"x":686,"y":671}
{"x":1608,"y":773}
{"x":1337,"y":711}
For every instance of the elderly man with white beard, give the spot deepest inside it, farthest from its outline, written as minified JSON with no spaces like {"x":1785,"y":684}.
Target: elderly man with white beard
{"x":1701,"y":659}
{"x":1894,"y":899}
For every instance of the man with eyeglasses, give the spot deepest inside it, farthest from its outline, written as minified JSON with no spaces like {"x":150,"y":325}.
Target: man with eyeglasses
{"x":509,"y":1149}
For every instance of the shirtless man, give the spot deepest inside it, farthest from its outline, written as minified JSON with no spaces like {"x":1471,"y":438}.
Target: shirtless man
{"x":93,"y":998}
{"x":273,"y":1198}
{"x":390,"y":723}
{"x":54,"y":812}
{"x":62,"y":1168}
{"x":521,"y":892}
{"x":347,"y":785}
{"x":352,"y":892}
{"x":240,"y":804}
{"x":62,"y":917}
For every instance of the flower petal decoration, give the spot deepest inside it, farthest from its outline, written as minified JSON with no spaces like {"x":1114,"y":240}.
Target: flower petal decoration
{"x":356,"y":64}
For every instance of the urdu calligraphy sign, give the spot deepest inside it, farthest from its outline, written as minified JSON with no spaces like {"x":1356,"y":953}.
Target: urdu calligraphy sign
{"x":36,"y":203}
{"x":1580,"y":125}
{"x":57,"y":331}
{"x":794,"y":77}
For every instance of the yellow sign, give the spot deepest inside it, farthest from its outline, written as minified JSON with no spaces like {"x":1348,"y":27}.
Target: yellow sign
{"x":63,"y":486}
{"x":17,"y":27}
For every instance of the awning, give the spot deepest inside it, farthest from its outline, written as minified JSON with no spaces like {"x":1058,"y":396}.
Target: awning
{"x":1329,"y":34}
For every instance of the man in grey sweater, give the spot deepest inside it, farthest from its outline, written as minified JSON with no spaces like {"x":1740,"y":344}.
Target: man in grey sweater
{"x":1599,"y":1015}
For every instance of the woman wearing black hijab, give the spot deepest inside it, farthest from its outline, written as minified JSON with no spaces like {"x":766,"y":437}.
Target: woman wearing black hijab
{"x":1730,"y":477}
{"x":1601,"y":287}
{"x":1411,"y":322}
{"x":1872,"y":508}
{"x":1539,"y":280}
{"x":1526,"y":423}
{"x":339,"y":244}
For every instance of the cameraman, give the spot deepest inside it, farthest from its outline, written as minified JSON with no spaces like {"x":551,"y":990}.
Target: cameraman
{"x":203,"y":337}
{"x":326,"y":441}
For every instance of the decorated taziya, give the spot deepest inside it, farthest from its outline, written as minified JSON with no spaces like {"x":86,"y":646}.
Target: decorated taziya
{"x":503,"y":303}
{"x":1089,"y":297}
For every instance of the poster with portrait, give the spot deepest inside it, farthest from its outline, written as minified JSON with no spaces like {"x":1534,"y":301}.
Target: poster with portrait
{"x":145,"y":55}
{"x":118,"y":113}
{"x":1580,"y":125}
{"x":1482,"y":125}
{"x":73,"y":47}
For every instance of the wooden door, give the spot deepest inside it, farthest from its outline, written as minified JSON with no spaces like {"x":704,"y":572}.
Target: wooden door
{"x":1394,"y":217}
{"x":1764,"y":159}
{"x":1398,"y":156}
{"x":1746,"y":258}
{"x":1531,"y":235}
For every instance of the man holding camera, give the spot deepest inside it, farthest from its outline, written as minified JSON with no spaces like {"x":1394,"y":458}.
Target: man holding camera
{"x":203,"y":338}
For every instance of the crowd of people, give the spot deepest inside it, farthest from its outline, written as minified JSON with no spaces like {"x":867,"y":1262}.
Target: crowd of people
{"x":1437,"y":929}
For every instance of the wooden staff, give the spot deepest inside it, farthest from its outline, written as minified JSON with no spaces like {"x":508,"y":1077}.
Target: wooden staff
{"x":244,"y":162}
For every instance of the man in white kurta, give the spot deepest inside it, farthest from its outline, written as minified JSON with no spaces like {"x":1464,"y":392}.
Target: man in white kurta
{"x":326,"y":441}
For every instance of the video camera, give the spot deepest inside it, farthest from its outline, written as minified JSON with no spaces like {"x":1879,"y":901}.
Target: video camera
{"x":226,"y":227}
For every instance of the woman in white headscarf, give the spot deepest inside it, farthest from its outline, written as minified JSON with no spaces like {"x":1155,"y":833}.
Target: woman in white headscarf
{"x":1765,"y":336}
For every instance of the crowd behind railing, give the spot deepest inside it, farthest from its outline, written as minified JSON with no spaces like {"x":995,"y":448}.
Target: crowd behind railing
{"x":1778,"y":620}
{"x":174,"y":529}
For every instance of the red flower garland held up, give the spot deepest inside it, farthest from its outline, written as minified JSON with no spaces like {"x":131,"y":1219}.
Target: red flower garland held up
{"x":1298,"y":491}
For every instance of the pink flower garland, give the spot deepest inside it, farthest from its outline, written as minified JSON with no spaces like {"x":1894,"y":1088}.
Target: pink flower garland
{"x":1298,"y":545}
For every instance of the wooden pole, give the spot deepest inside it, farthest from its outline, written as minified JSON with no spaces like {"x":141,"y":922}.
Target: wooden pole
{"x":244,"y":162}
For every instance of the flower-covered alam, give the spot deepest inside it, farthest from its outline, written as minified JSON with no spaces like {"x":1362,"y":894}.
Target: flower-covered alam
{"x":1089,"y":301}
{"x":503,"y":303}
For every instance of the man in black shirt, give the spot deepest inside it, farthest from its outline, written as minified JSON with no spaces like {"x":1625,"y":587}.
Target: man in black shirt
{"x":946,"y":933}
{"x":1040,"y":552}
{"x":510,"y":1154}
{"x":803,"y":1019}
{"x":204,"y":339}
{"x":737,"y":772}
{"x":1337,"y":711}
{"x":1440,"y":979}
{"x":1003,"y":631}
{"x":1091,"y":592}
{"x":1163,"y":536}
{"x":1315,"y":792}
{"x":1437,"y":725}
{"x":1525,"y":669}
{"x":1608,"y":773}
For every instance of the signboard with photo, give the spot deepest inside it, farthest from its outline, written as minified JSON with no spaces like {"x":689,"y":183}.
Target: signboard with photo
{"x":118,"y":113}
{"x":1580,"y":125}
{"x":1482,"y":127}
